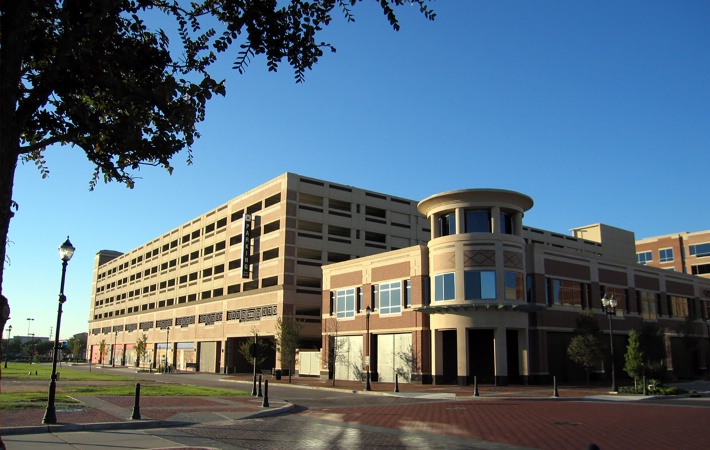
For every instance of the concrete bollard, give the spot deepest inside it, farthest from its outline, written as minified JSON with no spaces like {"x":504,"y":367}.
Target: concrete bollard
{"x":137,"y":403}
{"x":259,"y":392}
{"x":554,"y":387}
{"x":475,"y":387}
{"x":265,"y":402}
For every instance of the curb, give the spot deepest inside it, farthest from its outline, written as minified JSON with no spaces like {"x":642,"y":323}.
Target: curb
{"x":128,"y":425}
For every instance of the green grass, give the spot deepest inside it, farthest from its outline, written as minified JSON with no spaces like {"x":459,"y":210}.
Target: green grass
{"x":89,"y":383}
{"x":25,"y":371}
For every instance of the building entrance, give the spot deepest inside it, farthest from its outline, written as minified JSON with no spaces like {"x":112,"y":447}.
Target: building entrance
{"x":481,"y":356}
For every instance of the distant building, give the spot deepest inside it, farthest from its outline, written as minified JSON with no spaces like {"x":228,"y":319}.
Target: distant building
{"x":682,"y":252}
{"x":491,"y":299}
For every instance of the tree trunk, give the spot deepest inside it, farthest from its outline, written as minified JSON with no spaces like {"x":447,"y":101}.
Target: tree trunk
{"x":15,"y":16}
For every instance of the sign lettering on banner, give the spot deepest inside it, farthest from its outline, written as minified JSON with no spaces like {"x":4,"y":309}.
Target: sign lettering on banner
{"x":246,"y":245}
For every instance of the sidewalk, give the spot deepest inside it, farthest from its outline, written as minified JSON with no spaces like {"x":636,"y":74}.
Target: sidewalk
{"x":114,"y":413}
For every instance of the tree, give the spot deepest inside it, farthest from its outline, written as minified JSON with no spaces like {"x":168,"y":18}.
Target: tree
{"x":634,"y":364}
{"x":92,"y":74}
{"x":337,"y":347}
{"x":76,"y":344}
{"x":287,"y":337}
{"x":141,"y":348}
{"x":586,"y":347}
{"x":245,"y":348}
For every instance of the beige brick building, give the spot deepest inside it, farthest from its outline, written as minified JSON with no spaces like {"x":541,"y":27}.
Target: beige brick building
{"x":682,"y":252}
{"x":187,"y":292}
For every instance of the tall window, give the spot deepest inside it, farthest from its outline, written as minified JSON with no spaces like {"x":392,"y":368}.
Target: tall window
{"x":479,"y":284}
{"x":644,"y":257}
{"x":390,"y":298}
{"x":564,"y":292}
{"x":444,"y":287}
{"x":700,"y":249}
{"x":514,"y":286}
{"x":665,"y":255}
{"x":648,"y":305}
{"x":506,"y":223}
{"x":345,"y":303}
{"x":447,"y":224}
{"x":679,"y":306}
{"x":478,"y":221}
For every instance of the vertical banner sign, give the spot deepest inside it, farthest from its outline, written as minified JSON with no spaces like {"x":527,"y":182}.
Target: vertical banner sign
{"x":246,"y":245}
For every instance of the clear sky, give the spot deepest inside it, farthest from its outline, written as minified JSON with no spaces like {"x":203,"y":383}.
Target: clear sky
{"x":598,"y":110}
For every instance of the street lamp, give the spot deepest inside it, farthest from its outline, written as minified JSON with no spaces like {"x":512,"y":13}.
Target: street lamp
{"x":368,"y":310}
{"x":7,"y":347}
{"x":66,"y":251}
{"x":167,"y":345}
{"x":609,"y":307}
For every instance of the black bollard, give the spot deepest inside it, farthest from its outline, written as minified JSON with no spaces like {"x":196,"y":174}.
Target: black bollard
{"x":137,"y":404}
{"x":554,"y":387}
{"x":259,"y":393}
{"x":265,"y":402}
{"x":645,"y":387}
{"x":396,"y":382}
{"x":475,"y":386}
{"x":253,"y":387}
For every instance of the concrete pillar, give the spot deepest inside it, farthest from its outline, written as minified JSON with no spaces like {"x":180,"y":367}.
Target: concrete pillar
{"x":437,"y":356}
{"x":518,"y":224}
{"x":524,"y":356}
{"x":460,"y":221}
{"x":495,"y":220}
{"x":462,"y":356}
{"x":501,"y":356}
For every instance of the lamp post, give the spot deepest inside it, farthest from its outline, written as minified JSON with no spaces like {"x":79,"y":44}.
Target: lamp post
{"x":609,"y":307}
{"x":66,"y":251}
{"x":34,"y":346}
{"x":167,"y":345}
{"x":7,"y":347}
{"x":368,"y":310}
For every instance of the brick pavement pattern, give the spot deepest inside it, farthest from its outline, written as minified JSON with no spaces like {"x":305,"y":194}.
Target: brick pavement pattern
{"x":544,"y":424}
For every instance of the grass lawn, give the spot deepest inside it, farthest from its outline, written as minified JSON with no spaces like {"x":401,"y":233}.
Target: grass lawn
{"x":22,"y":389}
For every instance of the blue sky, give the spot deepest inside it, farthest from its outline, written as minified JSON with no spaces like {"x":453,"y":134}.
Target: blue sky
{"x":599,"y":110}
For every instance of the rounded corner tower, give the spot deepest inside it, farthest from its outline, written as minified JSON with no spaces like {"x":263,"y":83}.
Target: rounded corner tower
{"x":477,"y":293}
